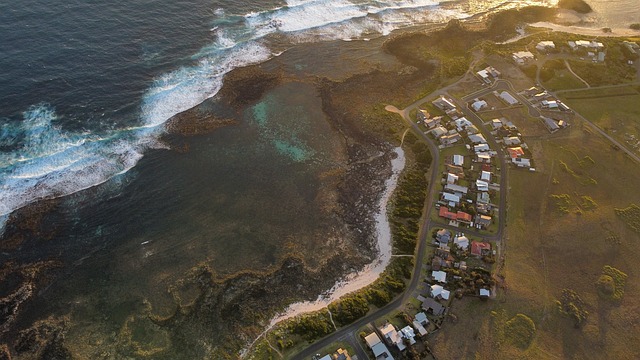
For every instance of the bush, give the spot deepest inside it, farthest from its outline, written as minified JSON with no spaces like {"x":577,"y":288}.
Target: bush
{"x":520,"y":331}
{"x":576,"y":5}
{"x":571,"y":304}
{"x":635,"y":26}
{"x":611,"y":283}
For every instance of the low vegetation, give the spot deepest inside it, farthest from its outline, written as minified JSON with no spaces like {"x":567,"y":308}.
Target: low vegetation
{"x":611,"y":283}
{"x":634,"y":26}
{"x":631,"y":216}
{"x":563,"y":202}
{"x":571,"y":305}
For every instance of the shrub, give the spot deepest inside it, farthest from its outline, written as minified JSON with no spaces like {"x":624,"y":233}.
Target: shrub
{"x":520,"y":331}
{"x":631,"y":216}
{"x":611,"y":283}
{"x":635,"y":26}
{"x":572,"y":305}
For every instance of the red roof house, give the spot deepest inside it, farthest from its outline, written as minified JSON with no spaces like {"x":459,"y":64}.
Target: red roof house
{"x":445,"y":213}
{"x":515,"y":152}
{"x":477,"y":247}
{"x":463,"y":216}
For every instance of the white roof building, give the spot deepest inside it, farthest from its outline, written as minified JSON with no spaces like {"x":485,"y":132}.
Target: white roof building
{"x":438,"y":131}
{"x":462,"y":123}
{"x":461,"y":241}
{"x":391,"y":334}
{"x":326,"y":357}
{"x":482,"y":185}
{"x":422,"y":318}
{"x":478,"y":105}
{"x":457,"y":189}
{"x":545,"y":45}
{"x":458,"y":160}
{"x":511,"y":140}
{"x":484,"y":158}
{"x":496,"y":124}
{"x":521,"y":162}
{"x":483,"y":198}
{"x":451,"y":198}
{"x":477,"y":139}
{"x":439,"y":276}
{"x":408,"y":333}
{"x":443,"y":103}
{"x":451,"y":178}
{"x":485,"y":292}
{"x":481,"y":148}
{"x":522,"y":57}
{"x":550,"y":104}
{"x":421,"y":330}
{"x":508,"y":98}
{"x":438,"y":290}
{"x":485,"y":175}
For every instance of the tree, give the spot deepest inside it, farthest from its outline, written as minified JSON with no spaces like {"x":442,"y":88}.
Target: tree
{"x":572,"y":305}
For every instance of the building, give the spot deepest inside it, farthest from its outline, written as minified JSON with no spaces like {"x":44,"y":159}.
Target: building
{"x":451,"y":178}
{"x":508,"y":98}
{"x":482,"y":185}
{"x":485,"y":176}
{"x":458,"y":160}
{"x":450,"y":139}
{"x":439,"y":276}
{"x":549,"y":104}
{"x":408,"y":334}
{"x":430,"y":304}
{"x":522,"y":162}
{"x":511,"y":140}
{"x":515,"y":152}
{"x":451,"y":198}
{"x":551,"y":124}
{"x":522,"y":57}
{"x":443,"y":236}
{"x":462,"y":123}
{"x":477,"y":139}
{"x":483,"y":220}
{"x":480,"y":248}
{"x":496,"y":124}
{"x":479,"y":105}
{"x":545,"y":46}
{"x":481,"y":148}
{"x":380,"y":351}
{"x":485,"y":293}
{"x":444,"y":104}
{"x":392,"y":335}
{"x":461,"y":241}
{"x":484,"y":158}
{"x":438,"y":291}
{"x":464,"y":217}
{"x":438,"y":131}
{"x":483,"y":198}
{"x":456,"y":188}
{"x":445,"y":213}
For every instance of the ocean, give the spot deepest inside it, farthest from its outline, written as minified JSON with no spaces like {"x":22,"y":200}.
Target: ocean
{"x":85,"y":91}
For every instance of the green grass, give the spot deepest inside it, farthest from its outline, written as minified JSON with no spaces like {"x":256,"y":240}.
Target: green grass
{"x":563,"y":80}
{"x":631,"y":216}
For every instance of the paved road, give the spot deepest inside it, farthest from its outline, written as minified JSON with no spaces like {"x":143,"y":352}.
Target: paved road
{"x":349,"y":332}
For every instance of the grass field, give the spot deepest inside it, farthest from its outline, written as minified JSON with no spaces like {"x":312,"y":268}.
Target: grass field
{"x":547,"y":251}
{"x":615,"y":110}
{"x":563,"y":80}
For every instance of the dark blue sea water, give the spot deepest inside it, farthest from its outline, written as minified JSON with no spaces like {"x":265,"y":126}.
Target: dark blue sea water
{"x":85,"y":89}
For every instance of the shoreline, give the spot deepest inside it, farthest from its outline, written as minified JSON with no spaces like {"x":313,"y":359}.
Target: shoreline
{"x":587,"y":31}
{"x":355,"y":280}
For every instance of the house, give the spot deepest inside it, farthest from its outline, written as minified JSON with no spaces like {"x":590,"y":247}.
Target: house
{"x":421,"y":318}
{"x":485,"y":293}
{"x":423,"y":115}
{"x":461,"y":241}
{"x":472,"y":130}
{"x":408,"y":334}
{"x":483,"y":198}
{"x":444,"y":104}
{"x":480,"y":248}
{"x":486,"y":167}
{"x":496,"y":124}
{"x":462,"y":123}
{"x":477,"y":139}
{"x":483,"y":220}
{"x":601,"y":56}
{"x":456,"y":188}
{"x":463,"y":216}
{"x":485,"y":176}
{"x":522,"y":57}
{"x":445,"y":213}
{"x":481,"y":148}
{"x":439,"y":276}
{"x":451,"y":178}
{"x":326,"y":357}
{"x":484,"y":75}
{"x":439,"y":291}
{"x":458,"y":160}
{"x":450,"y":139}
{"x":484,"y":158}
{"x":482,"y":185}
{"x":551,"y":125}
{"x":522,"y":162}
{"x":478,"y":105}
{"x":515,"y":152}
{"x":390,"y":334}
{"x":443,"y":236}
{"x":545,"y":46}
{"x":484,"y":207}
{"x":438,"y":131}
{"x":380,"y":351}
{"x":508,"y":98}
{"x":551,"y":105}
{"x":451,"y":198}
{"x":419,"y":327}
{"x":511,"y":140}
{"x":430,"y":304}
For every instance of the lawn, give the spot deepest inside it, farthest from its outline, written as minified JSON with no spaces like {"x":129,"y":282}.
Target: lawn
{"x":563,"y":80}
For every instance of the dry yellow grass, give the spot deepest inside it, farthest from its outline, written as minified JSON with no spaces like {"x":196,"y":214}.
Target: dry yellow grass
{"x":547,"y":252}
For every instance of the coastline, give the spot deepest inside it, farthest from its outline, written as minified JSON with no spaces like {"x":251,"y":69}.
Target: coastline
{"x":356,"y":280}
{"x":587,"y":31}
